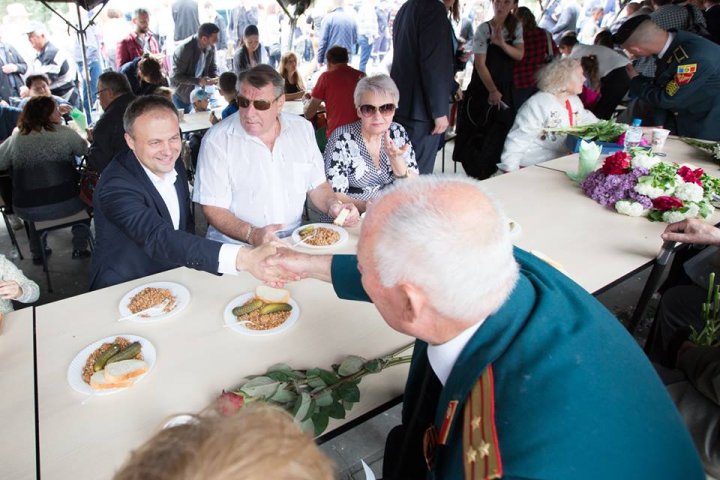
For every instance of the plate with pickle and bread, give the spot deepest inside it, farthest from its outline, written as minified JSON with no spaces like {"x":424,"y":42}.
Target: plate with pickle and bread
{"x":111,"y":364}
{"x":266,"y":311}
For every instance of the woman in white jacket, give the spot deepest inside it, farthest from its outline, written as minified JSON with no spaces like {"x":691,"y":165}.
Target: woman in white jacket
{"x":556,"y":105}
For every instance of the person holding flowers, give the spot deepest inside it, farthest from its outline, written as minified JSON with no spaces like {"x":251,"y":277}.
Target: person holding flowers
{"x":556,"y":105}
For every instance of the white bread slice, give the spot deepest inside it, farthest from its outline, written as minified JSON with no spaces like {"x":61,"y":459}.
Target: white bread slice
{"x":124,"y":370}
{"x":98,"y":382}
{"x":342,"y":216}
{"x":272,"y":295}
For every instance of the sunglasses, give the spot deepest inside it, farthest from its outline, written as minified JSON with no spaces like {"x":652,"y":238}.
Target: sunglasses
{"x":258,"y":104}
{"x":385,"y":110}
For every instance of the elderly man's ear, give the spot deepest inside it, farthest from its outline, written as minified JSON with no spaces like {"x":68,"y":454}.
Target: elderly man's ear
{"x":415,"y":303}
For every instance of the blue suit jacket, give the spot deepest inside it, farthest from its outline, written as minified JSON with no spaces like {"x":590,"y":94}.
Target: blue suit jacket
{"x":134,"y":232}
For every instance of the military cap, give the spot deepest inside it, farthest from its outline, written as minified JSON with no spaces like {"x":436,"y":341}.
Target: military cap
{"x":627,"y":28}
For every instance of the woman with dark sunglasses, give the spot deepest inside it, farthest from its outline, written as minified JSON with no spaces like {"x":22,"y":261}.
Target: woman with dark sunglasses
{"x":363,"y":157}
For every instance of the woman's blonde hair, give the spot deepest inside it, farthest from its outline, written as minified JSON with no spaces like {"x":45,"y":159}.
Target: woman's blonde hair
{"x":555,"y":76}
{"x":257,"y":443}
{"x":297,"y":79}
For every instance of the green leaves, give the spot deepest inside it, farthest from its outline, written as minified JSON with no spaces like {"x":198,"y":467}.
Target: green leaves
{"x":316,"y":395}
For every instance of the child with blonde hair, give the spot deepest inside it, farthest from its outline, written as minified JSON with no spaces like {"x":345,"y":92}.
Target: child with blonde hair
{"x":15,"y":286}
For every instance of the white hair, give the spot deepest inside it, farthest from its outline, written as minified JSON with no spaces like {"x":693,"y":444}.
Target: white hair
{"x":380,"y":85}
{"x":464,"y":264}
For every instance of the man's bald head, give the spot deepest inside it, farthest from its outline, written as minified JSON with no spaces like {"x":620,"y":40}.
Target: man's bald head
{"x":448,"y":239}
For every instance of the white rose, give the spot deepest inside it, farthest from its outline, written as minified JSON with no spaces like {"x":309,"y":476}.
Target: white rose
{"x":631,"y":209}
{"x":644,"y":161}
{"x":693,"y":210}
{"x":649,"y":191}
{"x":689,"y":192}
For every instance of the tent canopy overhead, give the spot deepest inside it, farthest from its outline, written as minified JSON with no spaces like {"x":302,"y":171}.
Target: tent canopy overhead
{"x":86,"y":4}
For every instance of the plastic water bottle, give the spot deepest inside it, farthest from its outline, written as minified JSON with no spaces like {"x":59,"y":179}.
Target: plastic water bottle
{"x":633,"y":135}
{"x":79,"y":118}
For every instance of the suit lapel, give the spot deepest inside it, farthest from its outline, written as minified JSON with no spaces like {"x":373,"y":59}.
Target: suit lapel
{"x":137,"y":170}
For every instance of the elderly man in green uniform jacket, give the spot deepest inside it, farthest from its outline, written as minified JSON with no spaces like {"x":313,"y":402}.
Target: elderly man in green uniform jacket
{"x":686,"y":89}
{"x":517,"y":372}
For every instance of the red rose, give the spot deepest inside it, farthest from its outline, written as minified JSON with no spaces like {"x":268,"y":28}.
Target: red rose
{"x":667,"y":203}
{"x":616,"y":164}
{"x":691,"y":176}
{"x":229,"y":403}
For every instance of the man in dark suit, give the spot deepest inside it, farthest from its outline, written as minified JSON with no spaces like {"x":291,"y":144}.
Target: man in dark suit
{"x":712,"y":18}
{"x":194,"y":65}
{"x":12,"y":68}
{"x":108,"y":136}
{"x":143,"y":221}
{"x":422,"y":68}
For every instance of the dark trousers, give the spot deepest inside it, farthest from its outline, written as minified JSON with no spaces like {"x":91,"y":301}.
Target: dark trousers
{"x":613,"y":88}
{"x":679,"y":309}
{"x":424,"y":144}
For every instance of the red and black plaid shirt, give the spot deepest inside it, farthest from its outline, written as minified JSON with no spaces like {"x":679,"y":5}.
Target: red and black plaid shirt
{"x":536,"y":54}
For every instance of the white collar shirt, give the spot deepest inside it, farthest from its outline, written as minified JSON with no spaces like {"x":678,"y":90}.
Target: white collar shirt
{"x":236,"y":171}
{"x":166,"y":188}
{"x":443,"y":357}
{"x":671,"y":37}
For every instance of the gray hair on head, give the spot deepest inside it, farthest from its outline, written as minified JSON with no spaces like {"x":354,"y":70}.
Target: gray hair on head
{"x":380,"y":85}
{"x":146,"y":104}
{"x":555,"y":76}
{"x":461,"y":258}
{"x":260,"y":76}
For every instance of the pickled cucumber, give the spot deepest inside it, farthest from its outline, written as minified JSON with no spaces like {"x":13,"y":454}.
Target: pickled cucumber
{"x":275,"y":307}
{"x":103,"y":358}
{"x":130,"y":352}
{"x":245,"y":309}
{"x":306,"y":231}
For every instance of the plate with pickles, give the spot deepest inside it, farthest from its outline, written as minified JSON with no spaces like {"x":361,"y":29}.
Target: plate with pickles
{"x":111,"y":364}
{"x":266,"y":311}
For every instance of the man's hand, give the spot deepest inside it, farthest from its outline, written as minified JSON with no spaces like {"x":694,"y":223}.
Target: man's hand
{"x":441,"y":124}
{"x":252,"y":260}
{"x":352,"y":218}
{"x":266,"y":234}
{"x":65,"y":109}
{"x":299,"y":265}
{"x":632,"y":73}
{"x":205,"y":81}
{"x":692,"y":231}
{"x":9,"y":68}
{"x":10,"y":290}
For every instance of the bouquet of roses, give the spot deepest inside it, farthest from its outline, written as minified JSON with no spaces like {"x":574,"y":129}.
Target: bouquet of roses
{"x":639,"y":184}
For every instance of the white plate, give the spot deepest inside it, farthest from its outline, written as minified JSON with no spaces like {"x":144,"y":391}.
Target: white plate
{"x":232,"y":321}
{"x":343,"y":235}
{"x":74,"y":373}
{"x":181,"y":293}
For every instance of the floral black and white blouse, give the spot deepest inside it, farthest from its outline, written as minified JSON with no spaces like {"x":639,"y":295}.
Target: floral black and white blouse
{"x":349,"y":167}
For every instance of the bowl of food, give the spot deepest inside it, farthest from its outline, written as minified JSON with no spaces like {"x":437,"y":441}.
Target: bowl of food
{"x":266,"y":311}
{"x":111,"y":364}
{"x":319,"y":236}
{"x":140,"y":299}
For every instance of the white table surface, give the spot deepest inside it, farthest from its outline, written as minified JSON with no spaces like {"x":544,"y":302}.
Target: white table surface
{"x":675,"y":150}
{"x":595,"y":245}
{"x":17,"y":400}
{"x":196,"y":359}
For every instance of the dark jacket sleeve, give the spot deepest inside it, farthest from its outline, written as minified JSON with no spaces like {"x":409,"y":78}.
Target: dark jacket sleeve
{"x":19,"y":61}
{"x":124,"y":204}
{"x":701,"y":365}
{"x":346,"y":278}
{"x":184,"y":72}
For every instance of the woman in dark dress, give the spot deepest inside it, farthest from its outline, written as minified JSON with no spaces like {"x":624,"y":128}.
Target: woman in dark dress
{"x":487,"y":112}
{"x":294,"y":86}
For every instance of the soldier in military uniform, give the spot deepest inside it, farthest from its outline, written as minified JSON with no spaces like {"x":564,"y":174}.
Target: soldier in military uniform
{"x":517,"y":371}
{"x":686,"y":89}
